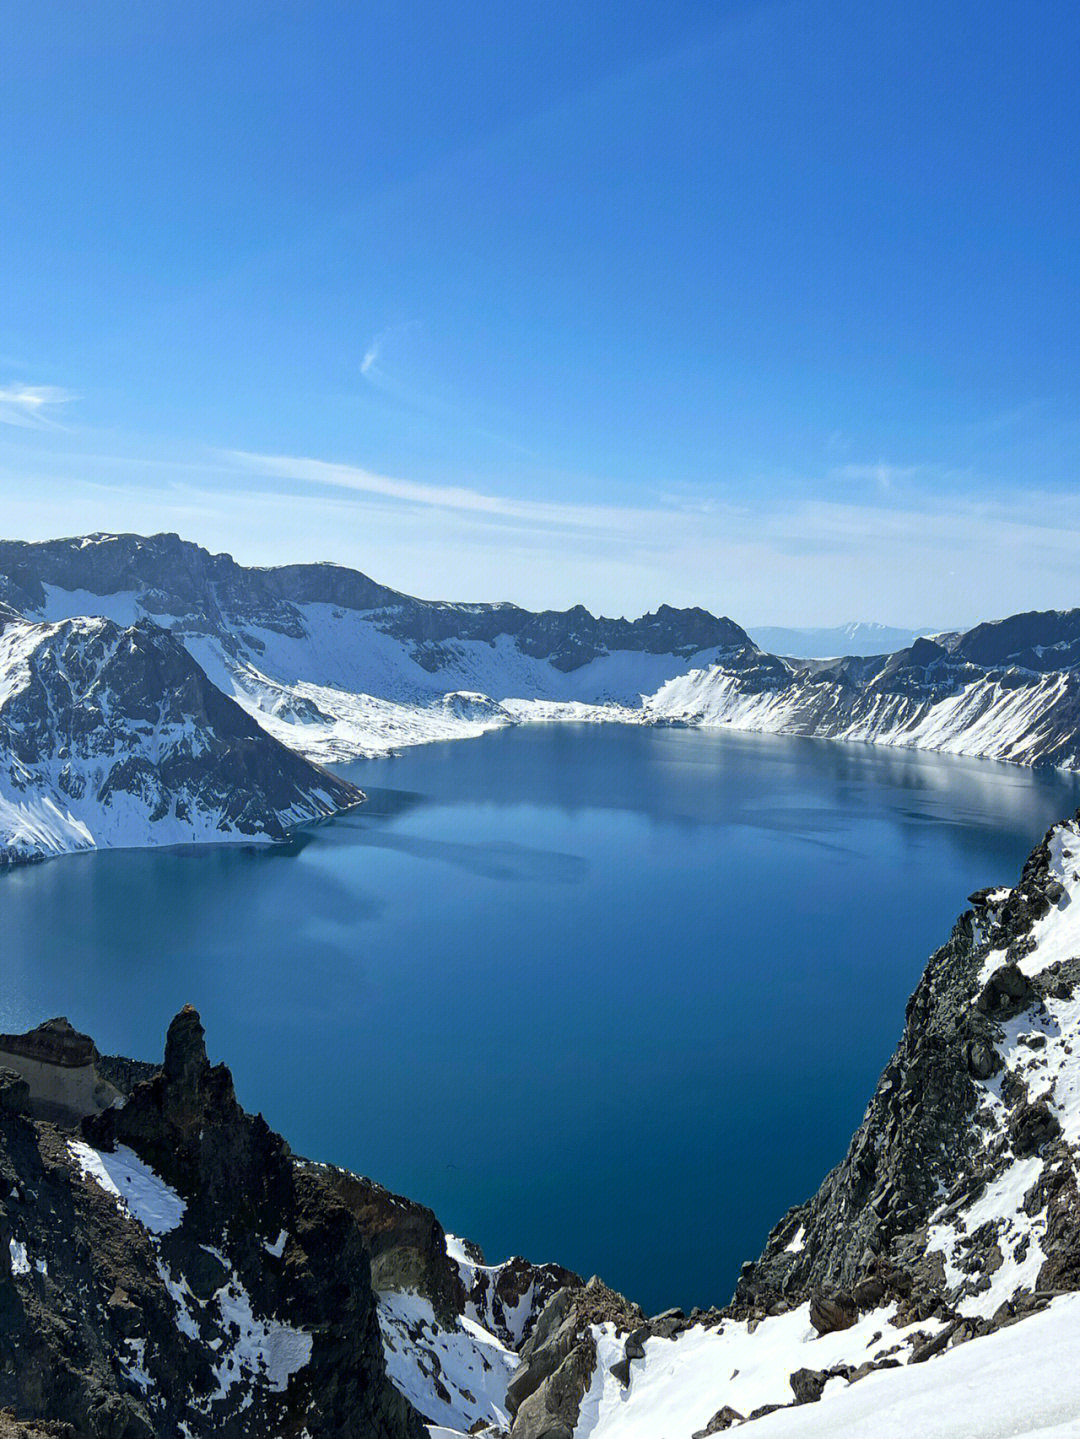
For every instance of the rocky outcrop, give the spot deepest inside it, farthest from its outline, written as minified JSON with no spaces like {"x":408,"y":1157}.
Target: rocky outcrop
{"x":559,"y":1358}
{"x":115,"y":736}
{"x":12,"y":1427}
{"x":508,"y":1298}
{"x":406,"y":1242}
{"x":973,"y":1104}
{"x":171,"y":1268}
{"x":64,"y":1070}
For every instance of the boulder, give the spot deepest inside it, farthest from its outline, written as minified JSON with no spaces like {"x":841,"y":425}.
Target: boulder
{"x":868,"y":1292}
{"x":829,"y":1313}
{"x":983,"y":1060}
{"x":1032,"y":1125}
{"x":14,"y":1093}
{"x":1007,"y":991}
{"x":559,"y":1359}
{"x":723,"y":1419}
{"x":808,"y":1384}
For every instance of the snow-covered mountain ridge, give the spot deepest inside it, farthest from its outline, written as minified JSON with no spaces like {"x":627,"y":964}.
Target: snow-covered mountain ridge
{"x":114,"y":736}
{"x":338,"y":666}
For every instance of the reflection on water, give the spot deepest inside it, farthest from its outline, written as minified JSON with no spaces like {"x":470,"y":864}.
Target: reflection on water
{"x":558,"y":982}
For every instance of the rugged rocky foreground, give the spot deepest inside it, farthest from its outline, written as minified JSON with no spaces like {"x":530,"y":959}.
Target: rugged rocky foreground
{"x":168,"y":1267}
{"x":115,"y":736}
{"x":338,"y":666}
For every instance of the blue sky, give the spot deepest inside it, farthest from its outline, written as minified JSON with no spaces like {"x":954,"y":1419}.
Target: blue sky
{"x":768,"y":307}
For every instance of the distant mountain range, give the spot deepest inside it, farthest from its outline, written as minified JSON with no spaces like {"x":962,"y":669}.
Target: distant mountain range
{"x":143,"y":682}
{"x":857,"y":638}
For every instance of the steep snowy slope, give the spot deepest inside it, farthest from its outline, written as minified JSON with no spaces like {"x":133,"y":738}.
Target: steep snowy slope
{"x":112,"y":736}
{"x":977,"y":698}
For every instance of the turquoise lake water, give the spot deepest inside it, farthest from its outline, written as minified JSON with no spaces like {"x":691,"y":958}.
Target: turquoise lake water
{"x":608,"y":995}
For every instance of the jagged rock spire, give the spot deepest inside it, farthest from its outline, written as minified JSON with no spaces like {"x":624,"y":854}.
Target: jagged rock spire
{"x":185,"y":1051}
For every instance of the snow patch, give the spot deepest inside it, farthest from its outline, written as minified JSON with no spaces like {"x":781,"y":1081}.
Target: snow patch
{"x":132,"y":1183}
{"x":426,"y":1361}
{"x":681,"y":1383}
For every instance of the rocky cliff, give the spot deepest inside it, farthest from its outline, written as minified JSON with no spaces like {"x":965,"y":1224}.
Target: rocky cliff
{"x":964,"y":1172}
{"x":169,"y":1269}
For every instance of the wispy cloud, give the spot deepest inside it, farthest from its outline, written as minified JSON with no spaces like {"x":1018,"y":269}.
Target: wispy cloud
{"x":551,"y":514}
{"x":920,"y":552}
{"x":371,"y":356}
{"x":27,"y":405}
{"x":882,"y":475}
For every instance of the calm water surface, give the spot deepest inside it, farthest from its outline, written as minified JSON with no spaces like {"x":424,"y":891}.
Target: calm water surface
{"x":613,"y":996}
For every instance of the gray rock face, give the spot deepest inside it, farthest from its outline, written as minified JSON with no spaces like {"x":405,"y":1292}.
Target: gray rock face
{"x":117,"y":736}
{"x":236,"y":1301}
{"x":929,"y":1145}
{"x":559,"y":1358}
{"x":723,"y":1420}
{"x":507,"y":1299}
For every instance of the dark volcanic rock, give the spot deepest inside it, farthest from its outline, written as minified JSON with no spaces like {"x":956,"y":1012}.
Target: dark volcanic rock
{"x":14,"y":1093}
{"x":1031,"y":1127}
{"x":406,"y":1242}
{"x":226,"y":1288}
{"x":1006,"y":992}
{"x":829,"y":1312}
{"x":721,"y":1421}
{"x":808,"y":1385}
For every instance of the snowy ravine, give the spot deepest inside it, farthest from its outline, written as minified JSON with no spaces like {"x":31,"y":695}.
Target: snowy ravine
{"x":114,"y":736}
{"x":338,"y":666}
